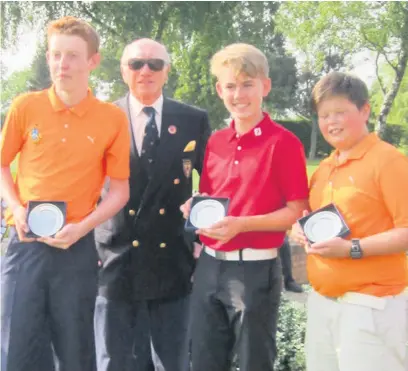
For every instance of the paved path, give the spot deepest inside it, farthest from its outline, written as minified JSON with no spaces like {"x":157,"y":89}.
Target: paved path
{"x":295,"y":297}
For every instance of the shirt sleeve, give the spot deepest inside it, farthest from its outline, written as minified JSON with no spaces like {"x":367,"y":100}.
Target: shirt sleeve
{"x":393,"y":180}
{"x":205,"y":132}
{"x":118,"y":153}
{"x":12,"y":135}
{"x":204,"y":186}
{"x":290,"y":165}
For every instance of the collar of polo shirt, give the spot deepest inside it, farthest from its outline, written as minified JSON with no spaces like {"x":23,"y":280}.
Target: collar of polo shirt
{"x":358,"y":151}
{"x":79,"y":109}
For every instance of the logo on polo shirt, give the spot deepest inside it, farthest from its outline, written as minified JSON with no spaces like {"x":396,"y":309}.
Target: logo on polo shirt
{"x":35,"y":135}
{"x":257,"y":132}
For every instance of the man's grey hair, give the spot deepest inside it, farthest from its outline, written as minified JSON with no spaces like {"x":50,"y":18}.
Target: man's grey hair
{"x":123,"y":60}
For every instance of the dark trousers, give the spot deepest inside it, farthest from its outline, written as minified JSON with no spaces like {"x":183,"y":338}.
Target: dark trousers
{"x":285,"y":257}
{"x":143,"y":335}
{"x":234,"y":311}
{"x":48,"y":296}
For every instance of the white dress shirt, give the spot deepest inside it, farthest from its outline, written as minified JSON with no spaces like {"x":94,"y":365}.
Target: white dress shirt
{"x":139,"y":118}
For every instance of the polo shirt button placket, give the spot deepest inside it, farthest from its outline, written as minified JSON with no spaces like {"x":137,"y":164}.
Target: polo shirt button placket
{"x":331,"y":191}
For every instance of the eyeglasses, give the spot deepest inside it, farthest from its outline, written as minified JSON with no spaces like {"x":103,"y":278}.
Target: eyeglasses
{"x":154,"y":64}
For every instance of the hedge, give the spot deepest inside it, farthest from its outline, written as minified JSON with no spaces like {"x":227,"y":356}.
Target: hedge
{"x":290,"y":337}
{"x":303,"y":130}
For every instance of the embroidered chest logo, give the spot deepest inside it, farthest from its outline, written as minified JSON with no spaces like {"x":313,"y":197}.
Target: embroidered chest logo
{"x":35,"y":135}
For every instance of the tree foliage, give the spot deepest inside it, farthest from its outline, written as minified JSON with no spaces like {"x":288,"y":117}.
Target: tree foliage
{"x":398,"y":114}
{"x":346,"y":28}
{"x":35,"y":77}
{"x":192,"y":32}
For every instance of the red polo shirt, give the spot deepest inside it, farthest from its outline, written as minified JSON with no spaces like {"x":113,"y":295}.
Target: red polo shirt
{"x":259,"y":171}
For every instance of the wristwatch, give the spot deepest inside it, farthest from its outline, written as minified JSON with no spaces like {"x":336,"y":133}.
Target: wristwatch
{"x":356,"y":252}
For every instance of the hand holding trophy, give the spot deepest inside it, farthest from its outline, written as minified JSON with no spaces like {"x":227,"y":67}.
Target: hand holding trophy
{"x":45,"y":218}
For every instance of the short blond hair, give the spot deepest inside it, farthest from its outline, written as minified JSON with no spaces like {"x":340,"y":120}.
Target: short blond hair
{"x":244,"y":58}
{"x":76,"y":27}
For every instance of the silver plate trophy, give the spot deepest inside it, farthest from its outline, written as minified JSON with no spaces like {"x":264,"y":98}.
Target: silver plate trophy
{"x":45,"y":219}
{"x":323,"y":226}
{"x":206,"y":213}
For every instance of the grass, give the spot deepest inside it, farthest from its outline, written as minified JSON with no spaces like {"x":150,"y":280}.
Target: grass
{"x":196,"y":180}
{"x":13,"y":168}
{"x":312,"y":166}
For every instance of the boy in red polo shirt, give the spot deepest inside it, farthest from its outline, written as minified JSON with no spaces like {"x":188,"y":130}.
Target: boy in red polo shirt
{"x":260,"y":167}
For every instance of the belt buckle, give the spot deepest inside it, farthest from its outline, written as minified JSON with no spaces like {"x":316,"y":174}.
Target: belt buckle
{"x":220,"y":255}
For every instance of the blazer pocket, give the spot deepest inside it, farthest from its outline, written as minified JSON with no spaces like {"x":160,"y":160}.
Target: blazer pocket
{"x":187,"y":164}
{"x":103,"y":236}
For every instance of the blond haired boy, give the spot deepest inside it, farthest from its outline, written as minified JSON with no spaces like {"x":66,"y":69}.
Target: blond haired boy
{"x":237,"y":282}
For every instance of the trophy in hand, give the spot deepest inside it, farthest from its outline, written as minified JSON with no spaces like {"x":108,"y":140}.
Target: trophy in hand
{"x":45,"y":218}
{"x":324,"y":224}
{"x":205,"y":212}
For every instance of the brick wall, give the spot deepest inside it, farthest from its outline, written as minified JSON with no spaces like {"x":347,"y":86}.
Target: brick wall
{"x":298,"y":263}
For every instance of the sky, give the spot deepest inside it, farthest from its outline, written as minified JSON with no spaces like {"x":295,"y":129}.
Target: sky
{"x":22,"y":55}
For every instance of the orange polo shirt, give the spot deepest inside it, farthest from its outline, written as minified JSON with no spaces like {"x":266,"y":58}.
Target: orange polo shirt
{"x":65,"y":152}
{"x":371,"y":190}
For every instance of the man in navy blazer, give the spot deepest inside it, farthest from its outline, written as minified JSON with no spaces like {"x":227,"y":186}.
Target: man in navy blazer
{"x":141,"y":314}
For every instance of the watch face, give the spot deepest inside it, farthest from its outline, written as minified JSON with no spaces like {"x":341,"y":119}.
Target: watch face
{"x":356,"y":251}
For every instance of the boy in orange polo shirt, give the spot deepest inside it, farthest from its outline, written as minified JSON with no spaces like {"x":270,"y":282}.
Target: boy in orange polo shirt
{"x":68,"y":143}
{"x":358,"y":311}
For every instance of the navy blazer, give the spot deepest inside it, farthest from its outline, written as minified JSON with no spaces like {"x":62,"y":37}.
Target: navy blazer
{"x":144,"y":249}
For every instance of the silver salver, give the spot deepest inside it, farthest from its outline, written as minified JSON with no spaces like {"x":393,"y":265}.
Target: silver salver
{"x":45,"y":219}
{"x":206,"y":213}
{"x":323,"y":226}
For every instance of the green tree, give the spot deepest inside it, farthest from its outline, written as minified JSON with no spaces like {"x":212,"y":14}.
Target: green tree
{"x":397,"y":120}
{"x":12,"y":86}
{"x":35,"y":77}
{"x":348,"y":28}
{"x":308,"y":76}
{"x":40,"y":75}
{"x":398,"y":114}
{"x":192,"y":31}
